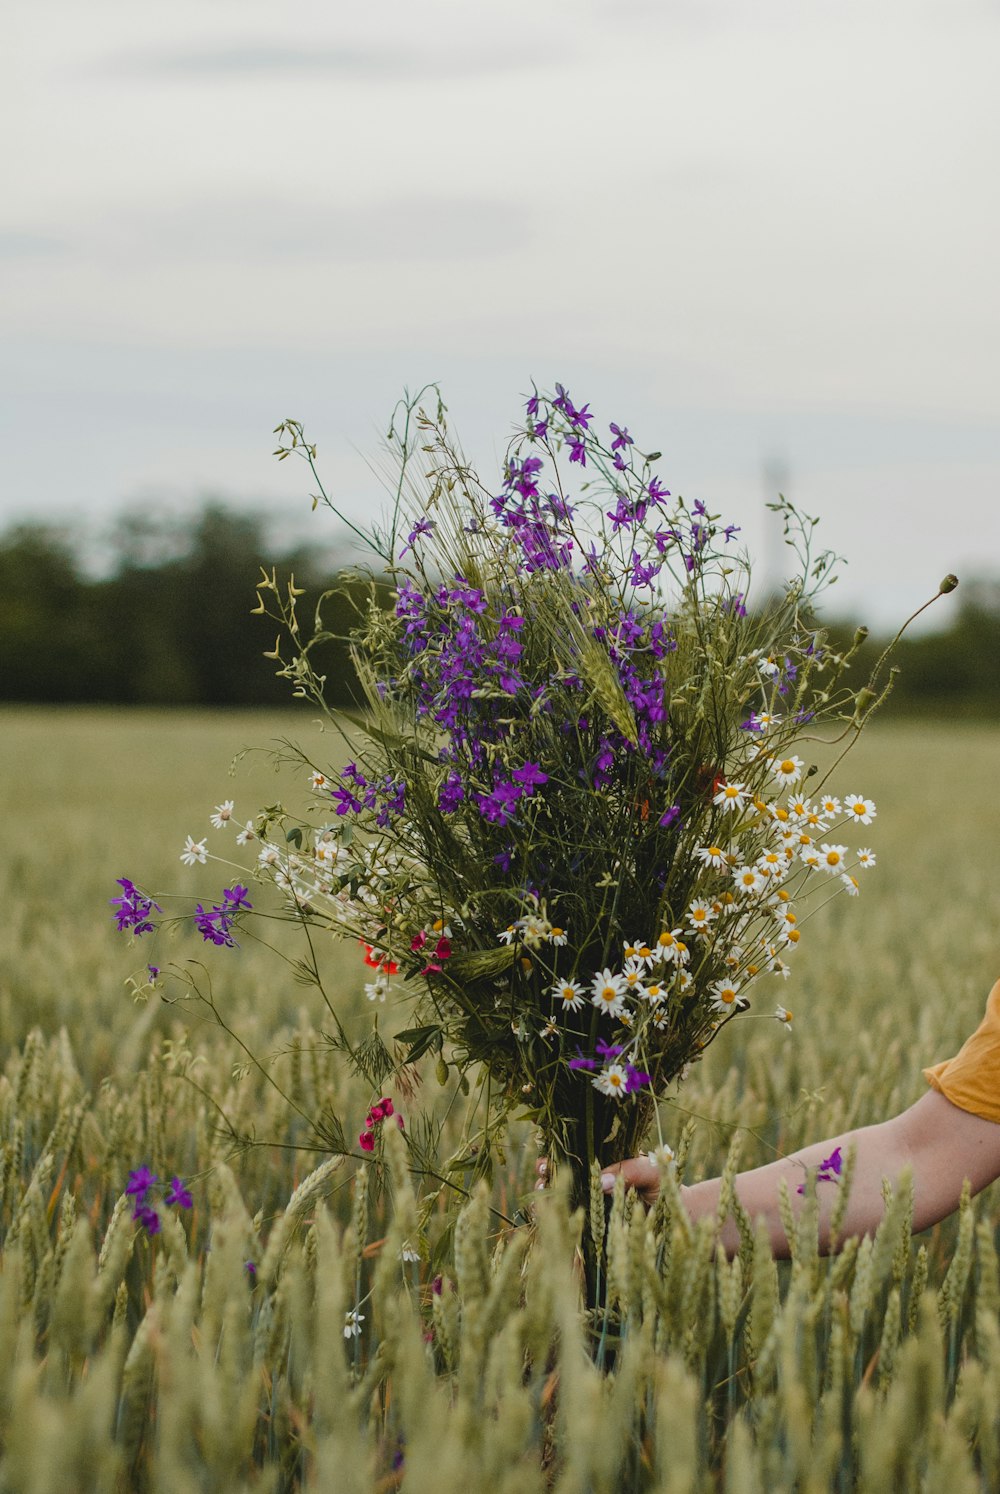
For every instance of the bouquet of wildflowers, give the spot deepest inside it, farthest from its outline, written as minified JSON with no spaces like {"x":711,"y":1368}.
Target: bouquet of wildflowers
{"x":577,"y":837}
{"x":576,"y":826}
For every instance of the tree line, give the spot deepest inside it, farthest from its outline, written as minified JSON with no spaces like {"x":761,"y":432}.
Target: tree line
{"x":168,"y":621}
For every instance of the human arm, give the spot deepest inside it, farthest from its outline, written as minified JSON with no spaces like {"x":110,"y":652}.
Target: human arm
{"x":941,"y":1144}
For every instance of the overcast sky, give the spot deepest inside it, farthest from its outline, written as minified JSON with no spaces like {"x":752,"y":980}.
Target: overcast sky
{"x":763,"y":232}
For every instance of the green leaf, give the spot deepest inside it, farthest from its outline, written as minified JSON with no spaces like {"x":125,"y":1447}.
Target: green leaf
{"x":420,"y":1040}
{"x":294,"y":836}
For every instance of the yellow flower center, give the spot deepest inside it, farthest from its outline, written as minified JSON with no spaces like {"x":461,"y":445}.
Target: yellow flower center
{"x":788,"y":766}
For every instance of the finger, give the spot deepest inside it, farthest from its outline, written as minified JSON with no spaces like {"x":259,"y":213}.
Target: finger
{"x":638,"y":1172}
{"x":542,"y":1166}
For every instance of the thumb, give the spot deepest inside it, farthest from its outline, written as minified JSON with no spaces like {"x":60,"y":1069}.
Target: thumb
{"x":638,"y":1172}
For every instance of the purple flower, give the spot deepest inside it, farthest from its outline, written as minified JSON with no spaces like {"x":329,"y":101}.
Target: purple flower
{"x":579,"y":1062}
{"x":153,"y":970}
{"x":179,"y":1195}
{"x":251,"y":1270}
{"x":635,"y":1079}
{"x":669,"y":817}
{"x":734,"y":604}
{"x":608,"y":1050}
{"x":139,"y":1183}
{"x":730,"y":530}
{"x":577,"y":449}
{"x":531,"y":408}
{"x":236,"y":897}
{"x":530,"y":776}
{"x":621,"y":435}
{"x":148,"y":1218}
{"x":581,"y":417}
{"x":133,"y":909}
{"x":451,"y":793}
{"x":829,"y":1170}
{"x":214,"y":926}
{"x":422,"y":526}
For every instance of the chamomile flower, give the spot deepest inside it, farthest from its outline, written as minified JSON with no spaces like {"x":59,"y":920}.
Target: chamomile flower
{"x":787,"y":769}
{"x":549,"y":1030}
{"x":441,"y":929}
{"x":810,"y":857}
{"x":784,"y":1016}
{"x":352,"y":1323}
{"x":861,"y":811}
{"x":378,"y":989}
{"x":678,"y":953}
{"x":654,"y":992}
{"x":194,"y":851}
{"x":407,"y":1253}
{"x":509,"y":934}
{"x":659,"y":1016}
{"x":799,"y":806}
{"x":713,"y":856}
{"x":661,"y":1156}
{"x":832,"y":858}
{"x":830,"y":806}
{"x":699,"y":915}
{"x":557,"y":936}
{"x":612,"y":1081}
{"x":223,"y":813}
{"x":772,"y":864}
{"x":748,"y":880}
{"x":866,"y":858}
{"x":766,"y":720}
{"x":665,"y":943}
{"x":851,"y":886}
{"x":638,"y":949}
{"x":724,"y":996}
{"x":731,"y":797}
{"x":570,"y":993}
{"x":318,"y":781}
{"x":769,"y":666}
{"x":632,"y":973}
{"x":683,"y":982}
{"x":247,"y":834}
{"x":608,"y":993}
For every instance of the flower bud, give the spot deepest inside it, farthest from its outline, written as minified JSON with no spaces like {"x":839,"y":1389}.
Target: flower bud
{"x":948,"y":584}
{"x":441,"y":1070}
{"x":860,"y":634}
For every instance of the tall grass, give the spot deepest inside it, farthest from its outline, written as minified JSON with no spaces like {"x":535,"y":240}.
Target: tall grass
{"x":165,"y":1364}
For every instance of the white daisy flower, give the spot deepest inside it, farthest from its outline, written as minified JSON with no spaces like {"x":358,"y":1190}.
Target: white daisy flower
{"x":748,"y":880}
{"x":832,"y":858}
{"x":787,"y":769}
{"x":799,"y":807}
{"x":724,"y":996}
{"x":378,"y":989}
{"x":661,"y":1156}
{"x":194,"y":850}
{"x":352,"y":1323}
{"x":683,"y":981}
{"x":570,"y":993}
{"x":632,"y":973}
{"x":767,"y":719}
{"x":772,"y":864}
{"x":611,"y":1080}
{"x":769,"y":666}
{"x":509,"y":933}
{"x":654,"y":992}
{"x":677,"y":953}
{"x":608,"y":993}
{"x":731,"y":796}
{"x":850,"y":884}
{"x":408,"y":1253}
{"x":666,"y":941}
{"x":784,"y":1016}
{"x":318,"y":781}
{"x":861,"y":811}
{"x":830,"y":806}
{"x":247,"y":834}
{"x":866,"y":858}
{"x":781,"y":817}
{"x":222,"y":815}
{"x":713,"y":856}
{"x":699,"y":915}
{"x":269,"y":856}
{"x":549,"y":1030}
{"x":638,"y":949}
{"x":659,"y":1016}
{"x":441,"y":929}
{"x":557,"y":936}
{"x":809,"y":856}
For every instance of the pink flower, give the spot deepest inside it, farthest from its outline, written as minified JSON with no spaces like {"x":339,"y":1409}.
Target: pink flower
{"x":366,"y":1141}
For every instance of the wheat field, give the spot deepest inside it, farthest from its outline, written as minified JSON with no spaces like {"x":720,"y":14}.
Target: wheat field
{"x":170,"y":1363}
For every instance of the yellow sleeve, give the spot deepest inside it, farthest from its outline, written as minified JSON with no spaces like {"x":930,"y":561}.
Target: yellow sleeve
{"x":971,"y":1080}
